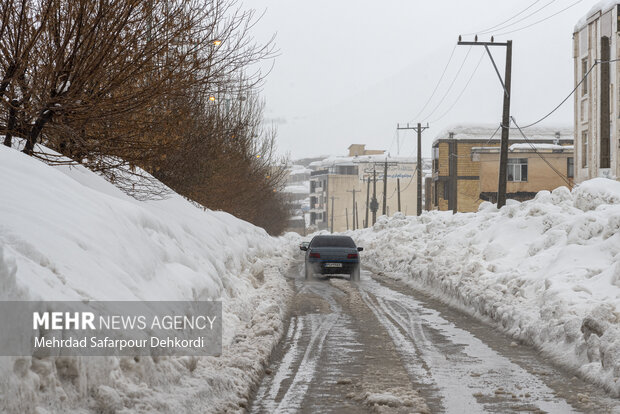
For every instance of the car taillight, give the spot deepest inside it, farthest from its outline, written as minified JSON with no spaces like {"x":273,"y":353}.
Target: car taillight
{"x":352,"y":256}
{"x":315,"y":255}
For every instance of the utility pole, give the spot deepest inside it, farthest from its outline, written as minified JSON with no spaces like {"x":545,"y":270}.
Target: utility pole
{"x":332,"y":215}
{"x":354,"y":191}
{"x":374,"y":205}
{"x":419,"y":129}
{"x":357,"y":216}
{"x":503,"y":157}
{"x":346,"y":214}
{"x":367,"y":202}
{"x":398,"y":190}
{"x":385,"y":188}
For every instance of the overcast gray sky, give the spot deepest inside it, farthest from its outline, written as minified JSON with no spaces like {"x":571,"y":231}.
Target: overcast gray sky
{"x":349,"y":70}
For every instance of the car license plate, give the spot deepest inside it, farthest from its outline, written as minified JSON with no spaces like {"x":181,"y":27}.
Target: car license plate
{"x":333,"y":264}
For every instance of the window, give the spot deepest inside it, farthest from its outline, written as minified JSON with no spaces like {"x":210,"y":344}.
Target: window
{"x":343,"y":170}
{"x":584,"y":70}
{"x":446,"y":192}
{"x":435,"y":159}
{"x":570,"y":167}
{"x":517,"y":169}
{"x":584,"y":149}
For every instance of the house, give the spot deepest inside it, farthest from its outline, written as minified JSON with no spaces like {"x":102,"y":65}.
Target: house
{"x":456,"y":173}
{"x":531,"y":168}
{"x":595,"y":43}
{"x":335,"y":181}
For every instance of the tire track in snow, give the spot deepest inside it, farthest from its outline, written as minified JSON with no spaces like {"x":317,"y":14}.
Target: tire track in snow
{"x":317,"y":326}
{"x":470,"y":376}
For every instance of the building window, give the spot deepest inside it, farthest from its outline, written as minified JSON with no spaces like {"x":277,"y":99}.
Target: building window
{"x":446,"y":191}
{"x":584,"y":70}
{"x":570,"y":167}
{"x":584,"y":149}
{"x":517,"y":169}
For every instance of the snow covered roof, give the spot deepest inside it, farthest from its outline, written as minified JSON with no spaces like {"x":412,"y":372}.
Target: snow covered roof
{"x":299,"y":169}
{"x":527,"y":147}
{"x":602,"y":6}
{"x":297,"y":189}
{"x":351,"y":161}
{"x":486,"y":131}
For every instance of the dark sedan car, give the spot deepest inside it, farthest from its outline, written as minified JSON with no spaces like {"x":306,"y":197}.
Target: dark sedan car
{"x":332,"y":255}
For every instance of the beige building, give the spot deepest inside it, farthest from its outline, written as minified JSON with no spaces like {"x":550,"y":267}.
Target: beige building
{"x":334,"y":181}
{"x":456,"y":173}
{"x":528,"y":172}
{"x":355,"y":150}
{"x":595,"y":41}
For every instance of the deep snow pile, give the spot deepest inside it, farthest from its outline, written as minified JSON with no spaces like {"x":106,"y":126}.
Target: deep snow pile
{"x":546,"y":270}
{"x":67,"y":234}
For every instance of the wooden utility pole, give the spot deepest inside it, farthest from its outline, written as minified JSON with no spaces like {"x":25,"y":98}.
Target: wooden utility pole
{"x":367,"y":202}
{"x":332,"y":215}
{"x":354,"y":191}
{"x":346,"y":214}
{"x":385,"y":188}
{"x":357,"y":217}
{"x":503,"y":156}
{"x":398,"y":190}
{"x":374,"y":205}
{"x":419,"y":129}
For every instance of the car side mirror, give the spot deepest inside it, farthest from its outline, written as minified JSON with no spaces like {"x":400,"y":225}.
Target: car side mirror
{"x":359,"y":249}
{"x":304,"y":248}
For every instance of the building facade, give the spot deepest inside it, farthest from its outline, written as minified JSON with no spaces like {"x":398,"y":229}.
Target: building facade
{"x":531,"y":168}
{"x":456,"y":173}
{"x":335,"y":181}
{"x":595,"y":44}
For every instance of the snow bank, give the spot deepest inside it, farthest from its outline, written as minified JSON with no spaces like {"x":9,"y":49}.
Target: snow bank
{"x":67,"y":234}
{"x":547,"y":271}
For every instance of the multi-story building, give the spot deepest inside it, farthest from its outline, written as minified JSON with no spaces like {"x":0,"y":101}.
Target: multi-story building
{"x":335,"y":180}
{"x":531,"y":168}
{"x":456,"y":173}
{"x":595,"y":44}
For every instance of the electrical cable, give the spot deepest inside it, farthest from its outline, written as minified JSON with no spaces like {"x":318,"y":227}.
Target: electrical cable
{"x":539,"y":21}
{"x":569,"y":95}
{"x":449,"y":87}
{"x":462,"y":92}
{"x":523,"y":18}
{"x":437,"y":85}
{"x":540,"y":155}
{"x":505,"y":21}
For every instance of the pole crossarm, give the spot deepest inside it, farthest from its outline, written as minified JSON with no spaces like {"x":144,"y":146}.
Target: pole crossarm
{"x":482,"y":44}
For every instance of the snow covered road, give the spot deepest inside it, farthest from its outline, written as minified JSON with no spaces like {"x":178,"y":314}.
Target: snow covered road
{"x":378,"y":346}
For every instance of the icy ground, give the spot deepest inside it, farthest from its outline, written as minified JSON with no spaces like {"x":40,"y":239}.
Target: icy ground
{"x":67,"y":234}
{"x":547,"y":271}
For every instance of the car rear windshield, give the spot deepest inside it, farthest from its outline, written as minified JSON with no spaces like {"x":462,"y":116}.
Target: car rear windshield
{"x":332,"y":241}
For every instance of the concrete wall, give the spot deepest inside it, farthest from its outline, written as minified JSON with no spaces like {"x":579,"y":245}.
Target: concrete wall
{"x":587,"y":99}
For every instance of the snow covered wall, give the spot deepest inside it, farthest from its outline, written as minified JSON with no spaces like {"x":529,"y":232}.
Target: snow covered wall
{"x":67,"y":234}
{"x":547,"y":271}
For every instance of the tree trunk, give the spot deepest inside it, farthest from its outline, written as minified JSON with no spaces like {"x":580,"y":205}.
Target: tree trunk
{"x":8,"y":138}
{"x":43,"y":119}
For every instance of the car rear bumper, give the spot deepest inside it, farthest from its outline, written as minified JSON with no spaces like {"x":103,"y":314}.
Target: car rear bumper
{"x":333,"y":266}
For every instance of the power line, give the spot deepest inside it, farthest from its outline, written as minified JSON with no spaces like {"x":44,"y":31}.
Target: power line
{"x":526,"y":17}
{"x":462,"y":92}
{"x":505,"y":21}
{"x":449,"y":87}
{"x":541,"y":20}
{"x":540,"y":155}
{"x":570,"y":94}
{"x":437,"y":85}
